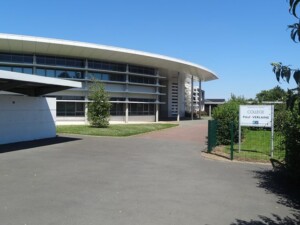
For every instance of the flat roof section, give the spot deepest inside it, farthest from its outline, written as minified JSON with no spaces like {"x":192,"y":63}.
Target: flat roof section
{"x":33,"y":85}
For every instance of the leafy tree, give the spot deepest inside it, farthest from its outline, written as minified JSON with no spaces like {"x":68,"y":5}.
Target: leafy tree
{"x":291,"y":123}
{"x":99,"y":107}
{"x":275,"y":94}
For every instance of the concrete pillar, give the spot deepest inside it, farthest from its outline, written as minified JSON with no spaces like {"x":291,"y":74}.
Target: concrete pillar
{"x":200,"y":98}
{"x":126,"y":112}
{"x":156,"y":112}
{"x":209,"y":110}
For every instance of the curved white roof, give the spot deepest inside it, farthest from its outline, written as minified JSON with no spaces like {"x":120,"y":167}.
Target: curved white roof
{"x":38,"y":45}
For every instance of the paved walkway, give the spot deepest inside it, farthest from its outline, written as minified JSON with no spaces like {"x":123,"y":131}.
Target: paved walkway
{"x":187,"y":131}
{"x":157,"y":178}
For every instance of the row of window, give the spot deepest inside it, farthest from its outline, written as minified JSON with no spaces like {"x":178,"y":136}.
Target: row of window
{"x":16,"y":58}
{"x":143,"y":80}
{"x":72,"y":62}
{"x":18,"y":69}
{"x":107,"y":77}
{"x":117,"y":109}
{"x":70,"y":109}
{"x":59,"y":73}
{"x":59,"y":61}
{"x":106,"y":66}
{"x":79,"y":74}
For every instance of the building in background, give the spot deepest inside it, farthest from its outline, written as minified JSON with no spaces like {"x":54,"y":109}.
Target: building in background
{"x":212,"y":103}
{"x":142,"y":86}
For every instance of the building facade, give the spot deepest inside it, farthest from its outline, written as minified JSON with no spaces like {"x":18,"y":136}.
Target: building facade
{"x":142,"y":86}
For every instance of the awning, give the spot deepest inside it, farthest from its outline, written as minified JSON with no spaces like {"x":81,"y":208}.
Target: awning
{"x":33,"y":85}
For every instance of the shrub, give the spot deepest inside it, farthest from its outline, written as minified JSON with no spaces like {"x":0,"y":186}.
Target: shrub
{"x":225,"y":114}
{"x":291,"y":131}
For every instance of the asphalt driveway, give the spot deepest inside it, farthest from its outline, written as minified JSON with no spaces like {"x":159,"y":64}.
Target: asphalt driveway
{"x":139,"y":180}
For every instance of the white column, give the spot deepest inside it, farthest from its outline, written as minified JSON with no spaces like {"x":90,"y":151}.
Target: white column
{"x":200,"y":98}
{"x":209,"y":110}
{"x":178,"y":99}
{"x":156,"y":112}
{"x":126,"y":112}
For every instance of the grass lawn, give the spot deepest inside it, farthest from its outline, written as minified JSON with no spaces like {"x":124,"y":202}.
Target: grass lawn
{"x":115,"y":130}
{"x":256,"y":146}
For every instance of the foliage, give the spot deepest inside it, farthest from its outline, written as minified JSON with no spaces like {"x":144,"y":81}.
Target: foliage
{"x":295,"y":28}
{"x":291,"y":122}
{"x":99,"y":107}
{"x":284,"y":73}
{"x":225,"y":114}
{"x":116,"y":130}
{"x":291,"y":133}
{"x":275,"y":94}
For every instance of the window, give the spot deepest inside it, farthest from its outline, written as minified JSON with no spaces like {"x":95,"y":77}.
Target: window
{"x":141,"y":109}
{"x":117,"y":109}
{"x":106,"y":66}
{"x":106,"y":77}
{"x":141,"y":70}
{"x":70,"y":109}
{"x":143,"y":80}
{"x":59,"y":61}
{"x":16,"y":58}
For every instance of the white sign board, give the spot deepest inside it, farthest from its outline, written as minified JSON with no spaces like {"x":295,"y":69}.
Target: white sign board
{"x":256,"y":115}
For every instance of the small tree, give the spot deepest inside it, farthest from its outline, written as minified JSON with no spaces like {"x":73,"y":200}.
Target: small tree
{"x":99,"y":107}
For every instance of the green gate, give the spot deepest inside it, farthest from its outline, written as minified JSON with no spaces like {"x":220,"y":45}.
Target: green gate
{"x":212,"y":135}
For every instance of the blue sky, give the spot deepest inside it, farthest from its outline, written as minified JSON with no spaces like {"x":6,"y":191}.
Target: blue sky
{"x":237,"y":39}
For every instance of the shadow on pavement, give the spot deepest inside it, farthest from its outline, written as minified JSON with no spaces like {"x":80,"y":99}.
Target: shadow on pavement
{"x":276,"y":182}
{"x":33,"y":144}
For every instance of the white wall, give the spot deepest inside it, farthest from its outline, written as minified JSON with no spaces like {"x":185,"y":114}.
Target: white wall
{"x":25,"y":118}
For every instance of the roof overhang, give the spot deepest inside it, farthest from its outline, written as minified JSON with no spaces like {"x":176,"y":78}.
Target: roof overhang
{"x":38,"y":45}
{"x":33,"y":85}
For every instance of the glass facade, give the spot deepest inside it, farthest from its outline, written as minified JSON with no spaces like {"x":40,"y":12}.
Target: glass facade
{"x":75,"y":68}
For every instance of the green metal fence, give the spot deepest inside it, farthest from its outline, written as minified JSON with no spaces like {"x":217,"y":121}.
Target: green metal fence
{"x":212,"y":135}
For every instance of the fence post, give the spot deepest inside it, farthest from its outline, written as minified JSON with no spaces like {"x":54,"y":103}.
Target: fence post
{"x":232,"y":140}
{"x":209,"y":144}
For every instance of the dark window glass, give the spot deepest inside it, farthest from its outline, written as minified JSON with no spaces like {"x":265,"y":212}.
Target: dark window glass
{"x":16,"y":58}
{"x":106,"y":66}
{"x":59,"y":61}
{"x":50,"y":60}
{"x":70,"y":109}
{"x":141,"y":109}
{"x":41,"y":72}
{"x":17,"y":69}
{"x":7,"y":68}
{"x":117,"y":109}
{"x":141,"y":70}
{"x":50,"y":73}
{"x":27,"y":70}
{"x":117,"y":99}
